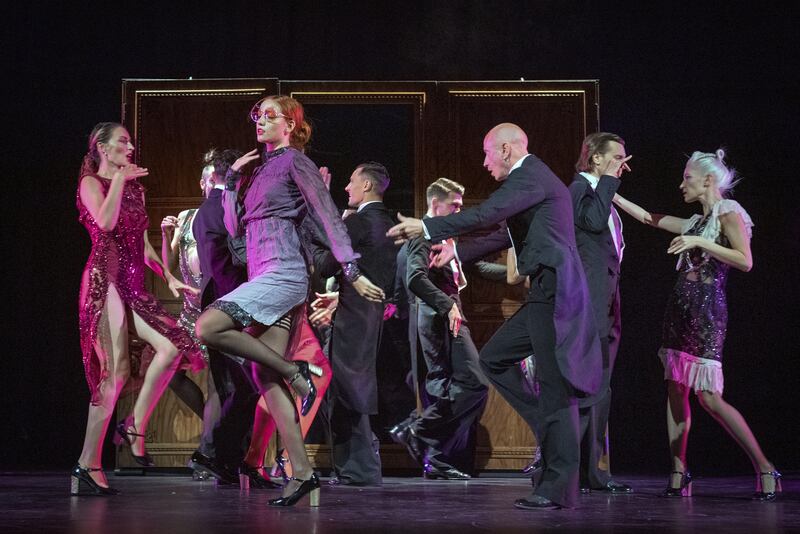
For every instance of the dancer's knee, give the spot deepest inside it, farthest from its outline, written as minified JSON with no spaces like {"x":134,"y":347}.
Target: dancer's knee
{"x":710,"y":401}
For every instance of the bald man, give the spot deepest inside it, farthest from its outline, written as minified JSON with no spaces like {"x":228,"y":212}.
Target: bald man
{"x":555,"y":323}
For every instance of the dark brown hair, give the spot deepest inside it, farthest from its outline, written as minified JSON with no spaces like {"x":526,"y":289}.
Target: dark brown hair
{"x":596,"y":143}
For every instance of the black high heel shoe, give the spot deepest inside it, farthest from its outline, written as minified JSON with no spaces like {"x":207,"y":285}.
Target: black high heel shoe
{"x":685,"y":488}
{"x":310,"y":486}
{"x":82,"y":483}
{"x":250,"y":476}
{"x":123,"y":435}
{"x":304,"y":371}
{"x":769,"y":495}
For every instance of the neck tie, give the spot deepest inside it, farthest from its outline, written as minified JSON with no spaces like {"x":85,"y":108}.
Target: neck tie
{"x":458,"y":275}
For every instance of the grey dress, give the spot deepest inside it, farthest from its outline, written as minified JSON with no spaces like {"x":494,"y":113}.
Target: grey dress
{"x":286,"y":192}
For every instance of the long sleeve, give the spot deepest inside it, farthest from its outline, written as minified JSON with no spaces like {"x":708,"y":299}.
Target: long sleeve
{"x":321,"y":208}
{"x":230,"y":206}
{"x":475,"y":249}
{"x":593,"y":206}
{"x":324,"y":261}
{"x":419,"y":283}
{"x":518,"y":192}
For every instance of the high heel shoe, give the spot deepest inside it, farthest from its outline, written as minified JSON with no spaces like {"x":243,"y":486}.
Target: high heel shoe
{"x":123,"y":434}
{"x":304,"y":371}
{"x":82,"y":483}
{"x":310,"y":486}
{"x":280,"y":467}
{"x":685,"y":488}
{"x":769,"y":495}
{"x":250,"y":476}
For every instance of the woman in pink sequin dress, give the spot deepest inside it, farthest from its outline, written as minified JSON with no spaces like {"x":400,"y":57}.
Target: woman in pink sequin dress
{"x":113,"y":299}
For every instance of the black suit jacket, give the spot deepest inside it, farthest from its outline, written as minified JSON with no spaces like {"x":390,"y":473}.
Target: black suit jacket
{"x":220,"y":275}
{"x":367,"y":230}
{"x":537,"y":208}
{"x":358,"y":323}
{"x":596,"y":246}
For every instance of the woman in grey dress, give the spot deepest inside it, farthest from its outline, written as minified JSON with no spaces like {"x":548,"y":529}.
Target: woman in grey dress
{"x":696,"y":317}
{"x":286,"y":191}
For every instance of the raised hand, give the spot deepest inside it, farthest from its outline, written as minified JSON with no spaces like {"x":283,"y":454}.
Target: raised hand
{"x":245,"y":159}
{"x":168,"y":225}
{"x":131,"y":171}
{"x":615,"y":167}
{"x":409,"y":227}
{"x":441,"y":255}
{"x":368,"y":290}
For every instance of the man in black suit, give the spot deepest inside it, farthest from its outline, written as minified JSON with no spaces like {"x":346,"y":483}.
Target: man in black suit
{"x":442,"y":437}
{"x":357,"y":328}
{"x":556,"y":321}
{"x":237,"y":393}
{"x":598,"y":232}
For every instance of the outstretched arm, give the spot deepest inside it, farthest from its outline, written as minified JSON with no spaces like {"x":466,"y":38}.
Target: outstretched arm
{"x":665,"y":222}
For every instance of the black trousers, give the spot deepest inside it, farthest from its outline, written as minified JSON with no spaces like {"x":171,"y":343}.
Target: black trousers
{"x":594,"y":417}
{"x":553,"y":417}
{"x":238,"y":397}
{"x":355,"y":450}
{"x":455,"y":394}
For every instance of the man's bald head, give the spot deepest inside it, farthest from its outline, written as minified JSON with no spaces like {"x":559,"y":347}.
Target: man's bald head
{"x":503,"y":146}
{"x":508,"y":133}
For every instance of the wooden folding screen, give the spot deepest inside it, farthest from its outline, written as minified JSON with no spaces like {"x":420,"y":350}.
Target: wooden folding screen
{"x":419,"y":130}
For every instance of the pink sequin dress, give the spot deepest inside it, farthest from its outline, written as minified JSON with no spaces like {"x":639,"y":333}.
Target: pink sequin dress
{"x":117,"y":257}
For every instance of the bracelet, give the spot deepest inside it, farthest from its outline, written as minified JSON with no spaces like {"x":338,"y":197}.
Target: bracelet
{"x":350,"y":271}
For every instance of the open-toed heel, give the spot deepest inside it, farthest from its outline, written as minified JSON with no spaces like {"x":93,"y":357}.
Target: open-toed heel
{"x":769,"y":495}
{"x":685,"y":487}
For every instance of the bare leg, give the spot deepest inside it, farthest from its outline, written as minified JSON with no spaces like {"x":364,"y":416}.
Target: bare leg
{"x":282,"y":407}
{"x":155,"y":382}
{"x":731,"y":420}
{"x":679,"y":421}
{"x":113,"y":343}
{"x":218,"y":330}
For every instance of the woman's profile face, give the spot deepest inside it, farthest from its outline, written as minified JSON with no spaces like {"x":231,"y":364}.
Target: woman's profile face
{"x":693,"y":185}
{"x":272,"y":126}
{"x":119,"y":149}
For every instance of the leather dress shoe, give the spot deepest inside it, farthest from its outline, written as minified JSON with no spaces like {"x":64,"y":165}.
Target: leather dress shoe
{"x":402,"y":434}
{"x":343,"y":481}
{"x":536,"y":502}
{"x":613,"y":487}
{"x":220,"y":472}
{"x":451,"y":473}
{"x":585,"y":490}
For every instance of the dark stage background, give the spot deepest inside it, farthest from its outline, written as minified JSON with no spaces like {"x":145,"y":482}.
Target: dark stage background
{"x":674,"y":77}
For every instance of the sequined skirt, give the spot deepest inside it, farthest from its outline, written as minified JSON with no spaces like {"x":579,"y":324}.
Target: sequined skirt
{"x":266,"y":298}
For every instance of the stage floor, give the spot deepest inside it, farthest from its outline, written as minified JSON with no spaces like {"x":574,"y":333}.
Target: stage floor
{"x":36,"y":502}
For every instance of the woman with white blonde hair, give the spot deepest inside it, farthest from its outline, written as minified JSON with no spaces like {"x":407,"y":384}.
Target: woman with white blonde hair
{"x":696,"y":317}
